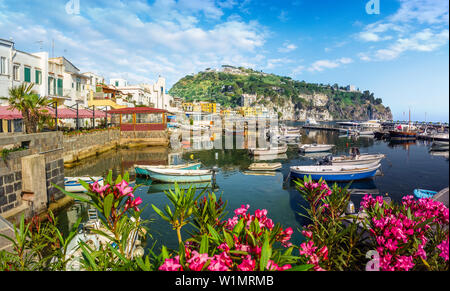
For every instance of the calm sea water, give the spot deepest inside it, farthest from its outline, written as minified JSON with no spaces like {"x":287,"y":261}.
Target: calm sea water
{"x":407,"y":166}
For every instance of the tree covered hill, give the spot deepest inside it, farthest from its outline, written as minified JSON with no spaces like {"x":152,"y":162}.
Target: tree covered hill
{"x":228,"y":85}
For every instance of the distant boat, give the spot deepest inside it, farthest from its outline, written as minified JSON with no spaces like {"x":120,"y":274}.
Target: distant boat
{"x":314,"y":148}
{"x":404,"y":132}
{"x":180,"y":176}
{"x":443,"y":136}
{"x":440,"y":146}
{"x":264,"y":166}
{"x":361,"y":159}
{"x":335,"y":173}
{"x":72,"y":184}
{"x":371,"y":124}
{"x":421,"y":193}
{"x":311,"y":121}
{"x":281,"y":149}
{"x":143,"y":169}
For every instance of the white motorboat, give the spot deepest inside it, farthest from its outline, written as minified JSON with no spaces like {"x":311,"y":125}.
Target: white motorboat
{"x":72,"y":184}
{"x":264,"y":166}
{"x":280,"y":149}
{"x":360,"y":159}
{"x":314,"y":148}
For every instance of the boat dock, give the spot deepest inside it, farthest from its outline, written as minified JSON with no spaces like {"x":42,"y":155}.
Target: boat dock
{"x":442,"y":196}
{"x":321,"y":127}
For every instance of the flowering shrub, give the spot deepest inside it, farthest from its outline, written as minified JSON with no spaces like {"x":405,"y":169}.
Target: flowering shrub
{"x":245,"y":242}
{"x":333,"y":240}
{"x":409,"y":236}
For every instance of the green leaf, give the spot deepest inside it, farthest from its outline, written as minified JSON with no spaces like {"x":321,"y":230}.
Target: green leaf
{"x":266,"y":253}
{"x":301,"y":268}
{"x":204,"y":244}
{"x":107,"y":204}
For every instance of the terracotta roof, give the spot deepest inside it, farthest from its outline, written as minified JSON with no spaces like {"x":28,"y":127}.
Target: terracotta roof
{"x":130,"y":110}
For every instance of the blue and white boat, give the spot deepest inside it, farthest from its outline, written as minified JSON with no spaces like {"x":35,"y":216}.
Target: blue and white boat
{"x":180,"y":176}
{"x":335,"y":172}
{"x":72,"y":184}
{"x":143,"y":170}
{"x":422,"y":193}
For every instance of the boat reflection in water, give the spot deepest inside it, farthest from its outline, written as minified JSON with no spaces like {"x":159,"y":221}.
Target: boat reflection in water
{"x":270,"y":157}
{"x":155,"y":187}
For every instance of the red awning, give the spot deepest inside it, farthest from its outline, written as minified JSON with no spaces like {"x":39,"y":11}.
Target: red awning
{"x":63,"y":113}
{"x":7,"y":113}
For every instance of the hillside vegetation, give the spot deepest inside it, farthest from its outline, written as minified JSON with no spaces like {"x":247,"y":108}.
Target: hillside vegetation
{"x":227,"y":86}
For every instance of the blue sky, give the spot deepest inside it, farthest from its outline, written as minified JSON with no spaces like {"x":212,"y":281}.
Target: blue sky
{"x":400,"y":54}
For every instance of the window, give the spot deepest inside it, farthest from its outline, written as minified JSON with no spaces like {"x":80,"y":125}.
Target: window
{"x":60,"y":87}
{"x":127,"y":118}
{"x":16,"y":74}
{"x":27,"y":74}
{"x":117,"y":83}
{"x":3,"y":66}
{"x":148,"y":118}
{"x":38,"y":77}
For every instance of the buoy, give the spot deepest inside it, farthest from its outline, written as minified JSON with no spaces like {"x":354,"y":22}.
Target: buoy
{"x":192,"y":156}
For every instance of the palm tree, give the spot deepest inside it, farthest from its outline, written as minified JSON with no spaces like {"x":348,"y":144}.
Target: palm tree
{"x":27,"y":101}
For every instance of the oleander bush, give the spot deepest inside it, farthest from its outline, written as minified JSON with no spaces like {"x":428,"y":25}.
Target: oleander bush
{"x":412,"y":235}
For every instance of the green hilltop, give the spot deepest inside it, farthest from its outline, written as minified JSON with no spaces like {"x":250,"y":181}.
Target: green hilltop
{"x":229,"y":84}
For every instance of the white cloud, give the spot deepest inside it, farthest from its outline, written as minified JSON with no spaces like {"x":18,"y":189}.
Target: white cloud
{"x":287,"y":47}
{"x":321,"y":65}
{"x":418,"y":25}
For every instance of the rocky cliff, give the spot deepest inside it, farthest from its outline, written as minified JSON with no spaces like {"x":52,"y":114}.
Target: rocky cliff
{"x":291,"y":99}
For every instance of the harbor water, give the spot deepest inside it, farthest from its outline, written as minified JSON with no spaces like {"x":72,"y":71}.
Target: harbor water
{"x":407,"y":166}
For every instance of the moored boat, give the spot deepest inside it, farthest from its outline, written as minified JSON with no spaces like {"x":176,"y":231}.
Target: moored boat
{"x":264,"y":166}
{"x":422,"y":193}
{"x":72,"y":184}
{"x":143,"y":169}
{"x":280,"y":149}
{"x":314,"y":148}
{"x":335,"y":173}
{"x":180,"y":176}
{"x":360,"y":159}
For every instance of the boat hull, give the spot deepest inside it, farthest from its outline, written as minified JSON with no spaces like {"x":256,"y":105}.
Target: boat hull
{"x":180,"y":176}
{"x":144,"y":171}
{"x":315,"y":149}
{"x":72,"y":185}
{"x":421,"y":193}
{"x":402,"y":135}
{"x":356,"y":174}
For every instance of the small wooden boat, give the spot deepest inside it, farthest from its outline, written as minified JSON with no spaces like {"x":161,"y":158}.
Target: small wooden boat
{"x":361,"y":159}
{"x":179,"y":175}
{"x":335,"y":173}
{"x":143,"y":169}
{"x":315,"y":148}
{"x":264,"y":166}
{"x":259,"y":173}
{"x":72,"y":184}
{"x":421,"y":193}
{"x":281,"y":149}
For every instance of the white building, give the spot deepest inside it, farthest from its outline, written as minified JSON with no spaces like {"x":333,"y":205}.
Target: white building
{"x":17,"y":67}
{"x":74,"y":83}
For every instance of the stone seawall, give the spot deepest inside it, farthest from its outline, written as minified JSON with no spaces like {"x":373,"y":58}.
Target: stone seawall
{"x":21,"y":189}
{"x":84,"y":145}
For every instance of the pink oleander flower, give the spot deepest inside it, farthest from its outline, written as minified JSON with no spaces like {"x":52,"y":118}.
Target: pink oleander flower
{"x":197,"y":261}
{"x":224,"y":247}
{"x":220,"y":262}
{"x":133,"y":203}
{"x":124,"y":190}
{"x":307,"y":234}
{"x":443,"y":247}
{"x":307,"y":248}
{"x":248,"y":264}
{"x":404,"y":263}
{"x":242,"y":210}
{"x":99,"y":189}
{"x":171,"y":265}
